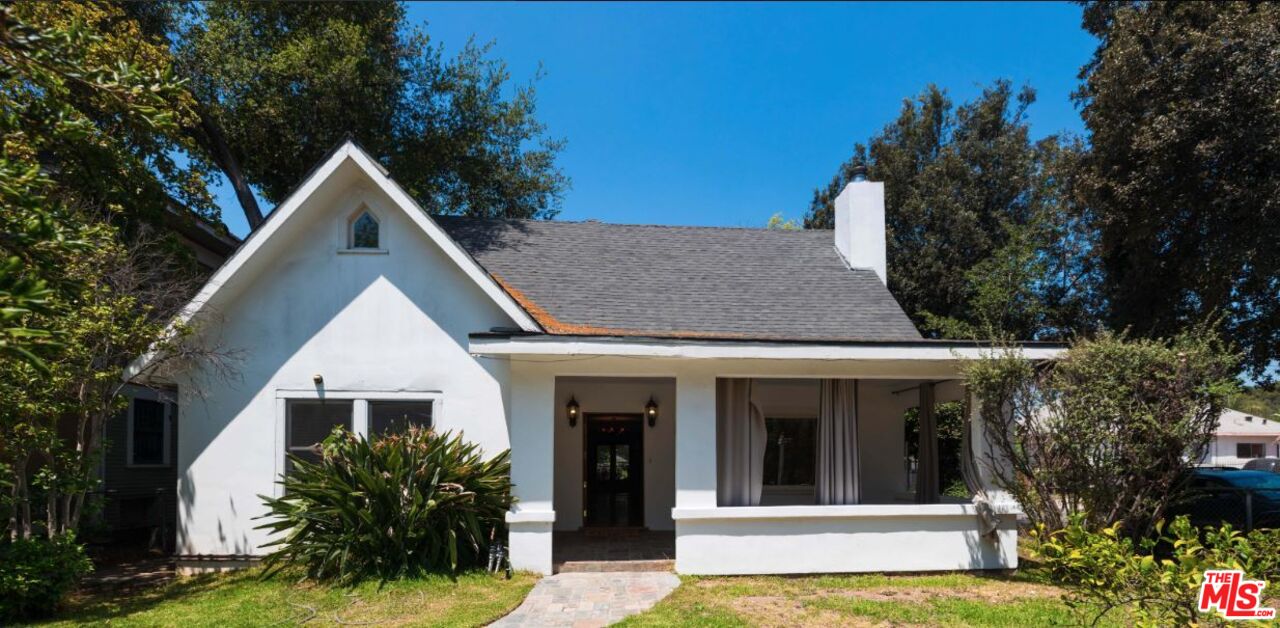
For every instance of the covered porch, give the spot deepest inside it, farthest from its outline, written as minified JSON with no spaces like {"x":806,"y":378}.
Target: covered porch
{"x":661,"y":466}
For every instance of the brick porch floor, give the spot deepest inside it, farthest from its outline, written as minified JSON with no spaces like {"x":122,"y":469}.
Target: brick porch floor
{"x":613,"y":550}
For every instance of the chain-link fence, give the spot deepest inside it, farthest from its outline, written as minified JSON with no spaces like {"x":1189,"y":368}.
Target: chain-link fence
{"x":1245,"y":509}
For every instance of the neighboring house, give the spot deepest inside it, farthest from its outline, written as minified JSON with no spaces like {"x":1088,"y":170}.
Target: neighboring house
{"x":1240,"y":438}
{"x":740,"y":391}
{"x":138,"y":471}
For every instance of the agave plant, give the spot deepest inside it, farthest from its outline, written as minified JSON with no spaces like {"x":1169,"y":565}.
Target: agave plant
{"x":398,"y":506}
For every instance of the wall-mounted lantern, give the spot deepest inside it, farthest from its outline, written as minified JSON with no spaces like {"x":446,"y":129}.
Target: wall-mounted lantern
{"x":571,"y":411}
{"x":651,"y":411}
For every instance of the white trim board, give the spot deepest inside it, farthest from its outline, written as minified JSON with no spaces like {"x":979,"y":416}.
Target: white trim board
{"x":694,"y":349}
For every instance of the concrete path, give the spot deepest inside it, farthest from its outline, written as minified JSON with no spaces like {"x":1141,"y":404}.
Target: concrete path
{"x":589,"y":600}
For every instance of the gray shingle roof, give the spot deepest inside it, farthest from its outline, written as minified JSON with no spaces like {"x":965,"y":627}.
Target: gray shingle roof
{"x":595,"y":278}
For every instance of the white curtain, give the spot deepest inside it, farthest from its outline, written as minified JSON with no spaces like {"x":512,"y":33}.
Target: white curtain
{"x":838,"y":442}
{"x":740,"y":441}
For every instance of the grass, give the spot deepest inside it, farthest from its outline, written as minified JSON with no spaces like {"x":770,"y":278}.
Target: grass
{"x":242,"y":598}
{"x":951,"y":599}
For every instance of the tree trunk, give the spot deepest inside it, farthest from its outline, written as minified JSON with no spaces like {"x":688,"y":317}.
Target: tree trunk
{"x":23,"y":508}
{"x":51,"y":515}
{"x":64,"y":525}
{"x":213,"y":140}
{"x":12,"y":527}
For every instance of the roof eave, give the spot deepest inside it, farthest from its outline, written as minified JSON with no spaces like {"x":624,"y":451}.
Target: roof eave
{"x":534,"y":344}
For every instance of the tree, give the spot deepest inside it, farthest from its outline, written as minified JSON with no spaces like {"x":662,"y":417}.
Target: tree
{"x":51,"y":422}
{"x":82,"y":121}
{"x":978,"y":237}
{"x":1106,"y":431}
{"x":1181,"y":185}
{"x":87,"y":128}
{"x":782,"y":223}
{"x":1258,"y":401}
{"x":277,"y":85}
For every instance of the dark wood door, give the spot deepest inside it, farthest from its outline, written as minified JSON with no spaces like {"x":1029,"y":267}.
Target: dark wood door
{"x":614,"y":471}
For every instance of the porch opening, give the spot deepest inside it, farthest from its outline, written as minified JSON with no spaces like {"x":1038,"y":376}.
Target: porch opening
{"x":808,"y":441}
{"x":614,"y":478}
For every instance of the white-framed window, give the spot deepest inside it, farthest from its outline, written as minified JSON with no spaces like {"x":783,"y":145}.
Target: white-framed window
{"x":1251,"y":450}
{"x":147,"y":433}
{"x":363,"y":230}
{"x":307,"y":417}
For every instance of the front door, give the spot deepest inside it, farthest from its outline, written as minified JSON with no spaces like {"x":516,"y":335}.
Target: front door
{"x":614,"y":471}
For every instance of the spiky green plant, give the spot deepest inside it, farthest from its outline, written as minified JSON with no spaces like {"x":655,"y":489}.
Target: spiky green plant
{"x":398,"y":506}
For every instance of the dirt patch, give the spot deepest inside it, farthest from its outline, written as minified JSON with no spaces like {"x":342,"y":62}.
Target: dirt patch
{"x":982,"y":593}
{"x":779,"y":611}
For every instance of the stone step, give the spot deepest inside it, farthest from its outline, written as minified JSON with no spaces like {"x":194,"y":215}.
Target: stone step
{"x":600,"y":566}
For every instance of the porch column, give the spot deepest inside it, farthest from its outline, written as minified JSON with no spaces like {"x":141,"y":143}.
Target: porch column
{"x":532,"y":431}
{"x":696,"y":441}
{"x":927,"y":467}
{"x":982,"y":453}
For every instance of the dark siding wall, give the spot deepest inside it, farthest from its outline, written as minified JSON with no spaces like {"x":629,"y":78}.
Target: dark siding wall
{"x":139,"y":499}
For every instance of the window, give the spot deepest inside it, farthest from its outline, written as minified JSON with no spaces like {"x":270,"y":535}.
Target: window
{"x":148,"y":428}
{"x":1251,"y":450}
{"x":364,"y":231}
{"x":390,"y":417}
{"x":310,"y":421}
{"x":790,"y":453}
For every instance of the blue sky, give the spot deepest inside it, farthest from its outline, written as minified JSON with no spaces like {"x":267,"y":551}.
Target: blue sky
{"x":724,"y":114}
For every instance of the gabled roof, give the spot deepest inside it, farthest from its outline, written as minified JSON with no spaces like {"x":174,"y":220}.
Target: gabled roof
{"x":1237,"y":423}
{"x":597,"y":279}
{"x":348,"y":150}
{"x":261,"y":238}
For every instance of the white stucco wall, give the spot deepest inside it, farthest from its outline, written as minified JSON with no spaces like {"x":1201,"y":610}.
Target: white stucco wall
{"x":839,"y":539}
{"x":622,"y":396}
{"x":1222,"y":451}
{"x":367,"y":323}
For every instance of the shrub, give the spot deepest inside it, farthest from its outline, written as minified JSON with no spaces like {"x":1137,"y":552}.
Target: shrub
{"x":1157,"y":578}
{"x":1107,"y":429}
{"x":36,"y":573}
{"x":396,"y":507}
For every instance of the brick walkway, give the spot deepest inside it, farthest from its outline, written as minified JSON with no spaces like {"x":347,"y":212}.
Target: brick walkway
{"x":582,"y":600}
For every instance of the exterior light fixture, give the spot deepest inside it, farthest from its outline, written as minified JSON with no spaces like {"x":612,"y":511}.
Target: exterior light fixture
{"x":651,"y":411}
{"x":317,"y":379}
{"x":571,"y":411}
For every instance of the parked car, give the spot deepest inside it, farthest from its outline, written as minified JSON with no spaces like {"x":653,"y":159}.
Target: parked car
{"x":1246,"y":499}
{"x":1264,"y":464}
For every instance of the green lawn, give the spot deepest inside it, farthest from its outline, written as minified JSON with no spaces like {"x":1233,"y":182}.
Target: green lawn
{"x":952,"y":599}
{"x":243,"y":599}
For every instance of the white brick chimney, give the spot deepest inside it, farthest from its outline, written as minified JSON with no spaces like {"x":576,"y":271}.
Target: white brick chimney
{"x":860,"y":235}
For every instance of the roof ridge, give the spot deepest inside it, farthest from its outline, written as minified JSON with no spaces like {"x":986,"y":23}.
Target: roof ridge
{"x":592,"y":221}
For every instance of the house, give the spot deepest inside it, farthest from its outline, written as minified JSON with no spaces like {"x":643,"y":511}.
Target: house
{"x":138,"y":472}
{"x":732,"y":396}
{"x":1241,"y":437}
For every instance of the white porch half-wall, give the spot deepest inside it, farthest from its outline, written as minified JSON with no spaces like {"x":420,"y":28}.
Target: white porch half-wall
{"x":886,"y":536}
{"x":840,"y":539}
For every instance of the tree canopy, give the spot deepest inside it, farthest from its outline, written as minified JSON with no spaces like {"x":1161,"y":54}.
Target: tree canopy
{"x":1180,"y":187}
{"x":974,"y":220}
{"x":277,"y":85}
{"x":87,"y":118}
